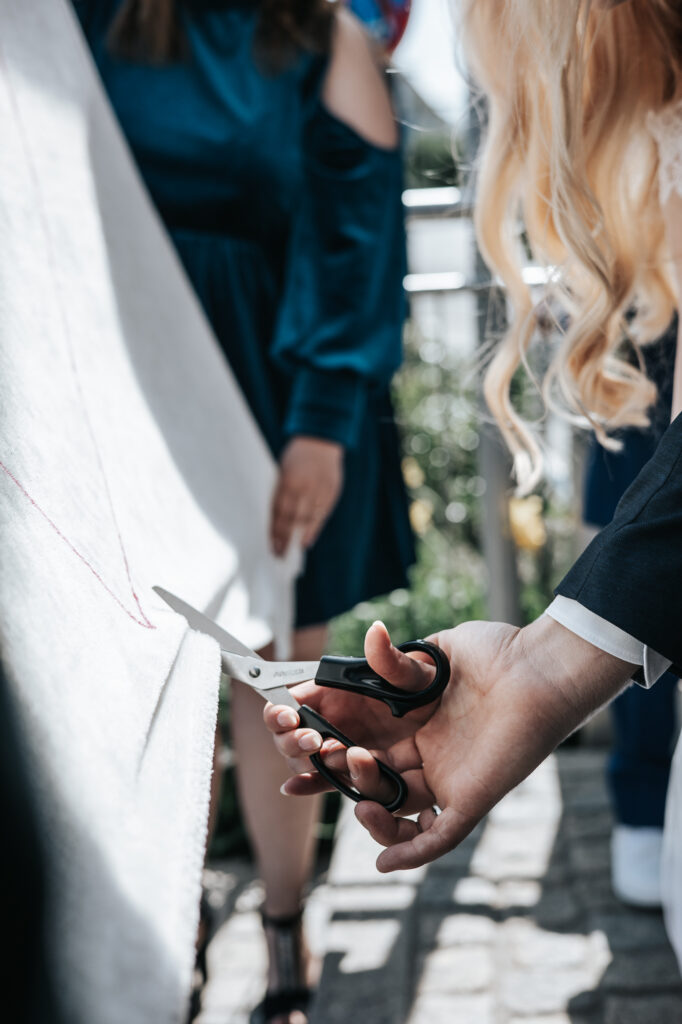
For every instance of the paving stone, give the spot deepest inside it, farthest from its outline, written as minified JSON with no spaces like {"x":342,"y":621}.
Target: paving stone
{"x":364,"y":945}
{"x":652,"y":1009}
{"x":438,"y":931}
{"x":366,"y":973}
{"x":553,"y":1018}
{"x":528,"y":808}
{"x":594,"y":893}
{"x":502,"y":897}
{"x":558,"y":871}
{"x":537,"y":949}
{"x":533,"y":993}
{"x":557,"y":908}
{"x":590,"y":857}
{"x":586,"y":798}
{"x":236,"y":969}
{"x":365,"y":899}
{"x":353,"y":860}
{"x":361,"y":997}
{"x":446,"y":1009}
{"x":643,"y":970}
{"x":544,"y":972}
{"x":517,"y":926}
{"x":441,"y":890}
{"x":512,"y":895}
{"x":631,"y":930}
{"x":514,"y":852}
{"x":456,"y":970}
{"x":458,"y":861}
{"x":586,"y":826}
{"x":585,"y":763}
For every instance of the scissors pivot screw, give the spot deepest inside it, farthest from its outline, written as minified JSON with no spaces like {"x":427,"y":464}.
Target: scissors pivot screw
{"x":254,"y":672}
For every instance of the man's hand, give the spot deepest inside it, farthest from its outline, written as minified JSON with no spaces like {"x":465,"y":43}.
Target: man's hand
{"x":309,"y":485}
{"x":512,"y":697}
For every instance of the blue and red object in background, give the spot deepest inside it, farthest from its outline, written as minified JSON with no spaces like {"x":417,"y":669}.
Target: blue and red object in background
{"x":385,"y":20}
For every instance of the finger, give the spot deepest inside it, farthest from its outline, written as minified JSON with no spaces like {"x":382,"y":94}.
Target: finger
{"x":307,"y":784}
{"x":419,"y":796}
{"x":427,"y":818}
{"x":444,"y":832}
{"x":309,"y":743}
{"x":308,"y":693}
{"x":283,"y":518}
{"x":367,"y":777}
{"x":319,"y":515}
{"x":298,"y":742}
{"x":383,"y":827}
{"x":279,"y":718}
{"x":312,"y":531}
{"x":398,"y":668}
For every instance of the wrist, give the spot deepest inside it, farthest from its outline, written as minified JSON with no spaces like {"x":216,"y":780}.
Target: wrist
{"x":321,"y":444}
{"x":572,"y":676}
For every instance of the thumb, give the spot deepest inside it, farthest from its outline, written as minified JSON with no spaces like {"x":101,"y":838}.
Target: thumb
{"x":398,"y":668}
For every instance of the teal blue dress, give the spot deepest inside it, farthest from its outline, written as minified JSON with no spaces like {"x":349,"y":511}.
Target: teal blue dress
{"x":289,"y":226}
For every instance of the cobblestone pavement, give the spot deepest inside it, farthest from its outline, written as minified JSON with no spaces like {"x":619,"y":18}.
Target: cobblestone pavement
{"x":516,"y":926}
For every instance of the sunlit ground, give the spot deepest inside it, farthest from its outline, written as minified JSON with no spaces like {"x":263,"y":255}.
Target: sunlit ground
{"x":516,"y":926}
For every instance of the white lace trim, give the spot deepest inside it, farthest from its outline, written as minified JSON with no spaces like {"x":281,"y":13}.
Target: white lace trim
{"x":666,"y":128}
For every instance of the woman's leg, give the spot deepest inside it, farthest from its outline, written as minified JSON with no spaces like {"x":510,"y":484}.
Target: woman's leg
{"x":281,"y":829}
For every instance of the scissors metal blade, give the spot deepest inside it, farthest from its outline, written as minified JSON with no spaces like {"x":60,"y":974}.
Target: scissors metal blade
{"x":269,"y":675}
{"x":197,"y":620}
{"x":233,"y":651}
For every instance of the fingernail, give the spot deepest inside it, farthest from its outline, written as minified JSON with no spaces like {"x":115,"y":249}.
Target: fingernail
{"x":354,"y":776}
{"x":287,"y":719}
{"x":310,"y":741}
{"x":283,"y":789}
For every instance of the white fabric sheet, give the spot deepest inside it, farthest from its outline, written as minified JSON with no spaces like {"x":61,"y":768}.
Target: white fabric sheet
{"x":128,"y":458}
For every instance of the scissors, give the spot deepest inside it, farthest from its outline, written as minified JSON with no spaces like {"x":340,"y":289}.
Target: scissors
{"x":271,"y":680}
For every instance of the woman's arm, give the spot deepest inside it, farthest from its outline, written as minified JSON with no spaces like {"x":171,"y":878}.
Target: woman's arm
{"x":354,"y":89}
{"x":340,"y":326}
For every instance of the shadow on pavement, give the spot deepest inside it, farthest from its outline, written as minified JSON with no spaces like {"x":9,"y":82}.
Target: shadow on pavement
{"x":518,"y":924}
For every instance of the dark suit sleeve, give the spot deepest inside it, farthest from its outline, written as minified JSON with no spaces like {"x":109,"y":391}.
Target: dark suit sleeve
{"x":631,"y":573}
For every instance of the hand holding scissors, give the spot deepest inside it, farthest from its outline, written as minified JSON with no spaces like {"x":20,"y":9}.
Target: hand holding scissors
{"x":271,"y":680}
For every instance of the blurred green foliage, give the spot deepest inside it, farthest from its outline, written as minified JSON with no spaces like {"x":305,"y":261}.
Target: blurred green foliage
{"x":438,"y":409}
{"x":436,"y":412}
{"x":430,"y":161}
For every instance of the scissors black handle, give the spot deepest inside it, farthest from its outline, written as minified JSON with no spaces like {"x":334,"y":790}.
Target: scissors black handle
{"x":355,"y":675}
{"x":311,"y":720}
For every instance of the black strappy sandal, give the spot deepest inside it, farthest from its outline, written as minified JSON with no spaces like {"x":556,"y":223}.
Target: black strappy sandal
{"x":207,"y":923}
{"x":288,"y":947}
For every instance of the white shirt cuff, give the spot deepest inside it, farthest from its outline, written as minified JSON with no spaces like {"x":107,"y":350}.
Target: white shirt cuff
{"x":607,"y":637}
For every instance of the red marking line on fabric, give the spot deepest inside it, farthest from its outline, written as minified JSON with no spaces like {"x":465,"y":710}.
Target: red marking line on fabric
{"x":144,"y":621}
{"x":66,"y":328}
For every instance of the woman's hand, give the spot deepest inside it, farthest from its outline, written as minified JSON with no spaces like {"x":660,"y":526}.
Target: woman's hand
{"x":512,"y":697}
{"x":309,"y":485}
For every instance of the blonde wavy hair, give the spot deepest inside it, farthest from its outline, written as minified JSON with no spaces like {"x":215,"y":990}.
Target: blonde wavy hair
{"x":567,"y":157}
